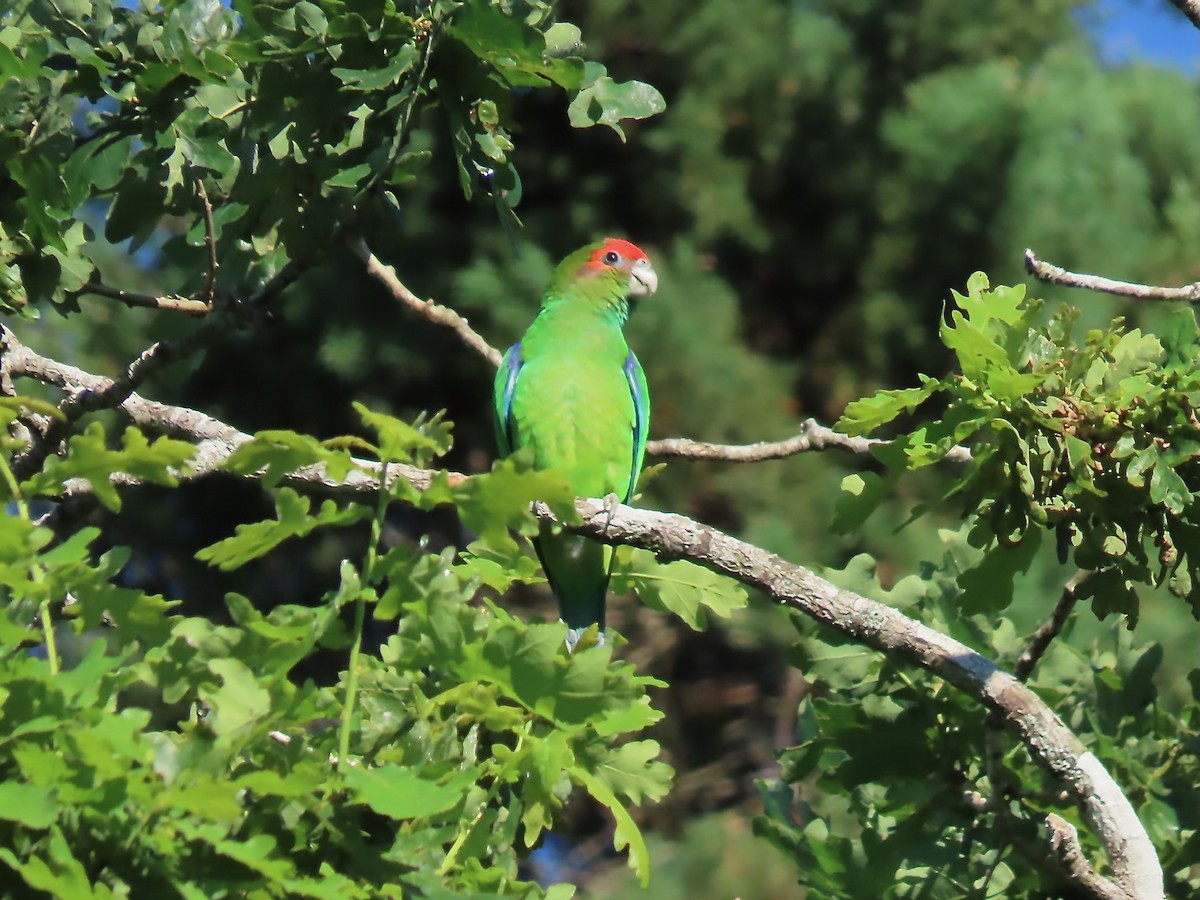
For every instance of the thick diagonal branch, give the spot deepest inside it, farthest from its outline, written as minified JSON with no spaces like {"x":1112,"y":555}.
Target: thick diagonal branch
{"x":215,"y":440}
{"x":85,"y":398}
{"x":1137,"y":873}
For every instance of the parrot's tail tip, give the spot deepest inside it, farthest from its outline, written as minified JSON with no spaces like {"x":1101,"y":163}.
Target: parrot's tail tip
{"x":575,"y":634}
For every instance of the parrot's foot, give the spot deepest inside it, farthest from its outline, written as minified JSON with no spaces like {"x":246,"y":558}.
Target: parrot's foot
{"x":611,"y":504}
{"x":591,"y":635}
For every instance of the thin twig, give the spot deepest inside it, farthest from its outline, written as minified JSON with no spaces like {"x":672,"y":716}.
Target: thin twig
{"x":1053,"y":274}
{"x":210,"y":241}
{"x":200,"y":304}
{"x":434,"y":312}
{"x":169,"y":302}
{"x":812,"y":436}
{"x":1190,"y":8}
{"x":195,"y":306}
{"x":429,"y":29}
{"x":1050,"y":629}
{"x":114,"y":392}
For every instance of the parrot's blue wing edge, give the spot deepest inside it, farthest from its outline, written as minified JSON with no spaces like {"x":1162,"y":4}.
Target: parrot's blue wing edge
{"x":506,"y":384}
{"x":640,"y":392}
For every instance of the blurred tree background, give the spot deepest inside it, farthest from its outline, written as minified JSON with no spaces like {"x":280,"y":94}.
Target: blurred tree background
{"x":825,"y":172}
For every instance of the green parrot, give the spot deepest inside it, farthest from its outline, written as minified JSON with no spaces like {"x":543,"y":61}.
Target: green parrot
{"x":573,"y":392}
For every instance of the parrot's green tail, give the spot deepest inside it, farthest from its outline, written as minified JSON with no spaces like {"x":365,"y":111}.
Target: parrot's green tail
{"x":577,"y":569}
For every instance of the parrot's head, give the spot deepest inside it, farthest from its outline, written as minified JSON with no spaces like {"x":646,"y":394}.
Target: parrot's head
{"x":613,"y":261}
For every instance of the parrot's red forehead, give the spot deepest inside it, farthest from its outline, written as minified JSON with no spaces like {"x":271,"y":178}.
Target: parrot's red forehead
{"x":627,"y":251}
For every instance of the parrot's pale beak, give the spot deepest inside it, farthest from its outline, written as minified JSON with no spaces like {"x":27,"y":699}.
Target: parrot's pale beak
{"x":643,"y":280}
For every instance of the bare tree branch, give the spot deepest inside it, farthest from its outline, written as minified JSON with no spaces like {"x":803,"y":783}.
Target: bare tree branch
{"x":1190,"y":8}
{"x":215,"y":440}
{"x":812,"y":436}
{"x":169,"y":302}
{"x":83,"y":399}
{"x":1050,"y":629}
{"x":1052,"y":274}
{"x":201,"y":303}
{"x":18,"y":429}
{"x":434,"y":312}
{"x":1137,"y":873}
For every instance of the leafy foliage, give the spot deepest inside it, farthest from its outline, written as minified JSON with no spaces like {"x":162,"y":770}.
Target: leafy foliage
{"x":679,"y":587}
{"x":1093,"y":439}
{"x":895,"y":763}
{"x":201,"y":745}
{"x":196,"y":748}
{"x":292,"y":114}
{"x":90,"y":459}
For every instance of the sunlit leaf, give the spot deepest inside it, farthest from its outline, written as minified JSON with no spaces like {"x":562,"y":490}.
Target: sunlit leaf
{"x":679,"y":587}
{"x":400,"y":793}
{"x":864,"y":416}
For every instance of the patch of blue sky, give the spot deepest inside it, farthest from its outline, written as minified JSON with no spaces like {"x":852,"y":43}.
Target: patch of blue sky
{"x":1149,"y":30}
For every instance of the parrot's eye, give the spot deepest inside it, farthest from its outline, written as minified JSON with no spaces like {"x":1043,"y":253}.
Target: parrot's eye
{"x":612,"y":257}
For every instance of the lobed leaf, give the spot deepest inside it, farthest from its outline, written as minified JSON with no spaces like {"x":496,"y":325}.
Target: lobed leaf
{"x":603,"y":101}
{"x":681,"y":587}
{"x":865,"y":415}
{"x":89,"y":458}
{"x":293,"y":519}
{"x":400,"y":793}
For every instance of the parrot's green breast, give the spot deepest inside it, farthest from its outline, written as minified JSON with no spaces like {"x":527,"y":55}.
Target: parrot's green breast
{"x":577,"y":418}
{"x":572,"y":404}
